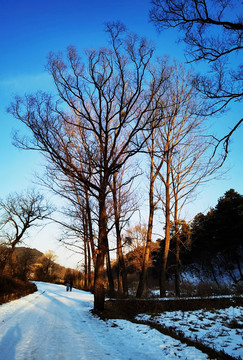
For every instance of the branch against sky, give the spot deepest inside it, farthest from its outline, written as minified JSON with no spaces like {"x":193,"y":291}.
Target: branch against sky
{"x":213,"y":33}
{"x":211,"y":29}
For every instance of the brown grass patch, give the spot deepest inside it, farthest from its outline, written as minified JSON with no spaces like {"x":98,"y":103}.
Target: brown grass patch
{"x":131,"y":307}
{"x":12,"y":289}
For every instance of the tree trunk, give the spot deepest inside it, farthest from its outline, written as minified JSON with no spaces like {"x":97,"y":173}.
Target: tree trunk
{"x":177,"y":262}
{"x":99,"y":289}
{"x":118,"y":275}
{"x":167,"y":233}
{"x":121,"y":269}
{"x":121,"y":272}
{"x":85,"y":238}
{"x":91,"y":237}
{"x":109,"y":274}
{"x":177,"y":250}
{"x":144,"y":273}
{"x":90,"y":285}
{"x":85,"y":266}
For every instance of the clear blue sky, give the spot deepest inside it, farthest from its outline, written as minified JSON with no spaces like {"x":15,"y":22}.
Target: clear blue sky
{"x":29,"y":30}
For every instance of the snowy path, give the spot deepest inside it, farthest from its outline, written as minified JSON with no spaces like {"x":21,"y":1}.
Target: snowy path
{"x":53,"y":324}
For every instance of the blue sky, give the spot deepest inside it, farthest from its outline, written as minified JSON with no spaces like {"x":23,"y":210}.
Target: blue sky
{"x":29,"y":30}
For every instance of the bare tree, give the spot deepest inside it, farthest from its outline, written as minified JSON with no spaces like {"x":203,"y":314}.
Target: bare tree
{"x":135,"y":243}
{"x":76,"y":217}
{"x":136,"y":236}
{"x":190,"y":167}
{"x":154,"y":171}
{"x":213,"y":33}
{"x":183,"y":160}
{"x":124,"y":205}
{"x":77,"y":235}
{"x":45,"y":271}
{"x":20,"y":212}
{"x":96,"y":125}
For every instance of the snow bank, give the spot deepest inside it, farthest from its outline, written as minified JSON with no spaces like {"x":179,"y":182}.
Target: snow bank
{"x":220,"y":329}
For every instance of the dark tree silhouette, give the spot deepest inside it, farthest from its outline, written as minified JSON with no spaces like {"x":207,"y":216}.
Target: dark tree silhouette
{"x":217,"y":246}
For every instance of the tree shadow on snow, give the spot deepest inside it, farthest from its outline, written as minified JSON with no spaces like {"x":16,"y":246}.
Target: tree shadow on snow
{"x":9,"y":343}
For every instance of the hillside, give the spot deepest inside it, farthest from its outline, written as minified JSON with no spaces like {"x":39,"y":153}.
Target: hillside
{"x":36,"y":265}
{"x":32,"y":254}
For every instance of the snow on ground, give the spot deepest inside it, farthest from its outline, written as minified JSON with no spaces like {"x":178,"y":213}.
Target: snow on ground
{"x":55,"y":324}
{"x":219,"y":329}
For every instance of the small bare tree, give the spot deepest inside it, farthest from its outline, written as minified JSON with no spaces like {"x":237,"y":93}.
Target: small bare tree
{"x":20,"y":212}
{"x":45,"y":271}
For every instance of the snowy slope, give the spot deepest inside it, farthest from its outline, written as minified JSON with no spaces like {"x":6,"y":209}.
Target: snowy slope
{"x":220,"y":329}
{"x":53,"y":324}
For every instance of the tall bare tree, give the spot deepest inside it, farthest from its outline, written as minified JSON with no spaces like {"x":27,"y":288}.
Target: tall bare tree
{"x":154,"y":171}
{"x":182,"y":147}
{"x":96,"y":124}
{"x":76,"y":216}
{"x":78,"y":233}
{"x":124,"y":205}
{"x":191,"y":166}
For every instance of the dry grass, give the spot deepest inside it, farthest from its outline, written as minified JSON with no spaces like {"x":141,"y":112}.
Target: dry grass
{"x":12,"y":289}
{"x":132,"y":306}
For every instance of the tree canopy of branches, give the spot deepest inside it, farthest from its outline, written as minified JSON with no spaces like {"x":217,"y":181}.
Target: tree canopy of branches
{"x":19,"y":212}
{"x":96,"y":123}
{"x":213,"y":32}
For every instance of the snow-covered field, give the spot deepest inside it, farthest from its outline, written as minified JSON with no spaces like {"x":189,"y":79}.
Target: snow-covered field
{"x":53,"y":324}
{"x":219,"y":329}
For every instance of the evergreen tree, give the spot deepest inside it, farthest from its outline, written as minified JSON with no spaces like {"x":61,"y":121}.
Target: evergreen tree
{"x":217,"y":240}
